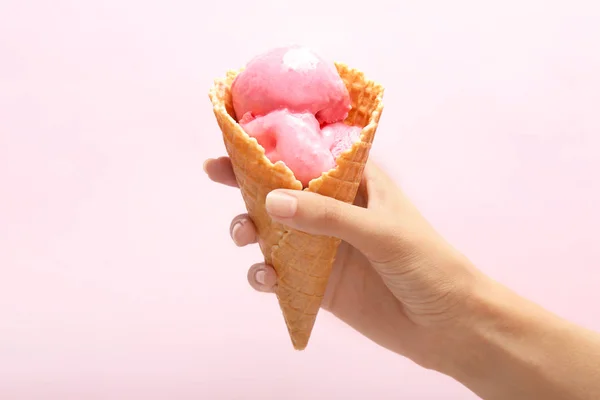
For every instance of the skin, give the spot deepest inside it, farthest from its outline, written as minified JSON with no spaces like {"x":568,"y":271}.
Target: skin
{"x":400,"y":284}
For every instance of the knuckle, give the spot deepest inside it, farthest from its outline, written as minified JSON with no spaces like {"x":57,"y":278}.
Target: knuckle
{"x":331,"y":213}
{"x":388,"y":246}
{"x":240,"y":219}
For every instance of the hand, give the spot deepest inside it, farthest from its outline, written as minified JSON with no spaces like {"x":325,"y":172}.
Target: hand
{"x":395,"y":279}
{"x":399,"y":283}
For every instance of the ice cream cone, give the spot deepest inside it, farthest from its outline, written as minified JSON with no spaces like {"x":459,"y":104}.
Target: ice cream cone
{"x":302,"y":262}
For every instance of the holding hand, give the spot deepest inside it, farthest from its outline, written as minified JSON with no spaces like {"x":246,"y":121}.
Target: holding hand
{"x":395,"y":279}
{"x":398,"y":282}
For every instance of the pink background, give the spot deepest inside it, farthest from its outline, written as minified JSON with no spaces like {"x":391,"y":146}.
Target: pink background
{"x":118,"y":279}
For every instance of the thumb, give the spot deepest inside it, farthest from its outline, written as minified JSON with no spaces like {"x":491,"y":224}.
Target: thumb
{"x":315,"y":214}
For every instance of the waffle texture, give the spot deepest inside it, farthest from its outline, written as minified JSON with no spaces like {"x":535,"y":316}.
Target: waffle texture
{"x":302,"y":262}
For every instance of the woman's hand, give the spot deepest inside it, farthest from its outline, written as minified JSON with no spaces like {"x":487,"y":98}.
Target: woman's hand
{"x":399,"y":283}
{"x":395,"y":279}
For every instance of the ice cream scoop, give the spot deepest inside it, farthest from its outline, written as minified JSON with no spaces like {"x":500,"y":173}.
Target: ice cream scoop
{"x":296,"y":139}
{"x":295,"y":78}
{"x":292,"y":101}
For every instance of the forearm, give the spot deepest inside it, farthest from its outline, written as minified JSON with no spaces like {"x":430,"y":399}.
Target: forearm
{"x":510,"y":348}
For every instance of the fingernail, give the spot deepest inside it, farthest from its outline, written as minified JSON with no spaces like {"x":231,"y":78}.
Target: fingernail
{"x":235,"y":233}
{"x":281,"y":204}
{"x":204,"y":164}
{"x":260,"y":276}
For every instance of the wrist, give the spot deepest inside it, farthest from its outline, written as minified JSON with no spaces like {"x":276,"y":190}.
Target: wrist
{"x":505,"y":346}
{"x":490,"y":343}
{"x":491,"y":314}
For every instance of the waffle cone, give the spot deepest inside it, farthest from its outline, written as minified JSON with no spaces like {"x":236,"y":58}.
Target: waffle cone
{"x":302,"y":262}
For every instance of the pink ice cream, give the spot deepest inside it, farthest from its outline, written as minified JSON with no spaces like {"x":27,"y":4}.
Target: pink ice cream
{"x":293,"y":102}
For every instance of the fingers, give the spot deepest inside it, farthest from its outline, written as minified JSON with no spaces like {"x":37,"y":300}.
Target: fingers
{"x":262,"y":278}
{"x":219,"y":170}
{"x":364,"y":229}
{"x":243,"y":231}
